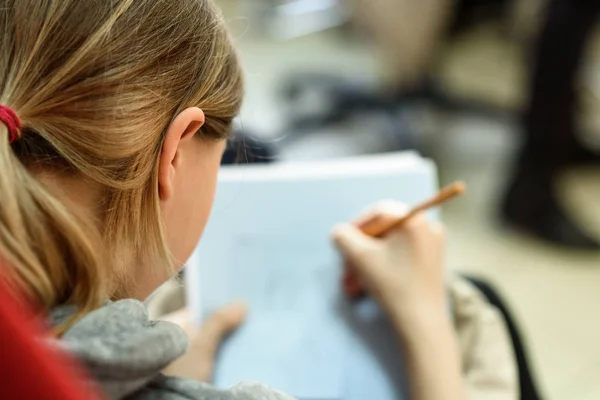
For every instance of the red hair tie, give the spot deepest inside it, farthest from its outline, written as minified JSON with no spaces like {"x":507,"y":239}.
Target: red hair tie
{"x":9,"y":117}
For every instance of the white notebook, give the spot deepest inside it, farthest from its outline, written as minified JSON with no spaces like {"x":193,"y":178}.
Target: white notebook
{"x":268,"y":242}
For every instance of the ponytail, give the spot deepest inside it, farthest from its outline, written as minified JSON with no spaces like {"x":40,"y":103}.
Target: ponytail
{"x":51,"y":254}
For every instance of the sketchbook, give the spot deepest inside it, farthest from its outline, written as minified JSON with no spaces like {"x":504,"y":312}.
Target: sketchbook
{"x":268,"y":242}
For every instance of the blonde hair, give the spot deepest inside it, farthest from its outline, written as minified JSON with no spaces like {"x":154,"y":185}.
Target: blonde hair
{"x":96,"y":84}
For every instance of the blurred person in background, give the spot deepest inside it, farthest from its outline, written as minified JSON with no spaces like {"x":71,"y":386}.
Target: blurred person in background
{"x":551,"y":135}
{"x":407,"y":34}
{"x":549,"y":122}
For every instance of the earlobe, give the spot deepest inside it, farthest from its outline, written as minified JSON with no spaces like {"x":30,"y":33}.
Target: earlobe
{"x":183,"y":128}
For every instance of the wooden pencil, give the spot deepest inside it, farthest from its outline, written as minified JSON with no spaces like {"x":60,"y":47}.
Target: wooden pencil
{"x":381,"y":226}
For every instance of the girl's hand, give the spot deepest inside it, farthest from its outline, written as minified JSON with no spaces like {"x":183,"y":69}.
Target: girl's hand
{"x":197,"y":363}
{"x":404,"y":270}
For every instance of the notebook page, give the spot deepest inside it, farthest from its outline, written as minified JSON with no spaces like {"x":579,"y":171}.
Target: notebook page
{"x":267,"y":241}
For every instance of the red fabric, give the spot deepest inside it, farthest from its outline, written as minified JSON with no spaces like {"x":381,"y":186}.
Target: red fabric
{"x":29,"y":369}
{"x":10,"y":118}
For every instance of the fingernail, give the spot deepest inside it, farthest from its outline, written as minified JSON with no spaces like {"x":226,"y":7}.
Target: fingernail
{"x":338,"y":230}
{"x":240,"y":306}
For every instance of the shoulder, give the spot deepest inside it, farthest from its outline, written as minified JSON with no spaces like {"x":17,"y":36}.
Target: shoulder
{"x":121,"y":347}
{"x":121,"y":334}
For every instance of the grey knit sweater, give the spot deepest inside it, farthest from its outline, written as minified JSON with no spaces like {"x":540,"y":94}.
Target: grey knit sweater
{"x":125,"y":352}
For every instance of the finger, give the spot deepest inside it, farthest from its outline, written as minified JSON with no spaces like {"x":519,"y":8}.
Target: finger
{"x":355,"y":246}
{"x":389,"y":208}
{"x":413,"y":230}
{"x":422,"y":228}
{"x":220,"y":324}
{"x":226,"y":319}
{"x":352,"y":285}
{"x":383,"y":216}
{"x":416,"y":227}
{"x":418,"y":233}
{"x":372,"y":210}
{"x":438,"y":229}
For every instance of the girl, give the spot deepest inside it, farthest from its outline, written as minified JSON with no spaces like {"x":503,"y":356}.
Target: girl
{"x":113,"y":122}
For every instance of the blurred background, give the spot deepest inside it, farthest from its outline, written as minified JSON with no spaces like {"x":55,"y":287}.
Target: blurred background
{"x":503,"y":94}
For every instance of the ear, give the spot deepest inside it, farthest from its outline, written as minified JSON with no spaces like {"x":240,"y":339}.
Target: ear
{"x":182,"y":130}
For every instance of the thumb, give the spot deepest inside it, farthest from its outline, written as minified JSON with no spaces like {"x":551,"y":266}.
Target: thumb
{"x":354,"y":245}
{"x":220,"y":324}
{"x":199,"y":360}
{"x":225,"y":320}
